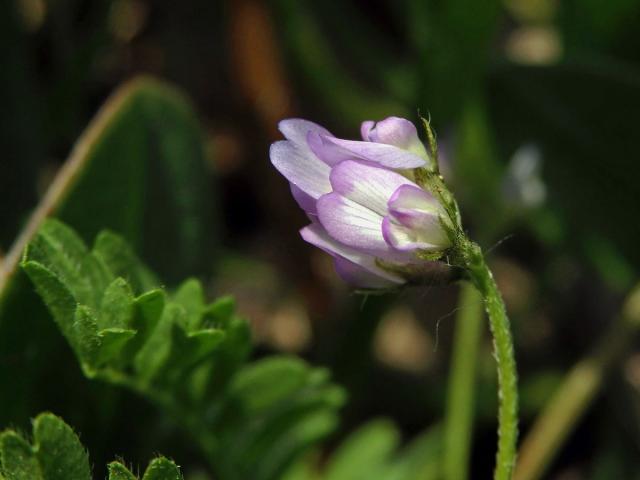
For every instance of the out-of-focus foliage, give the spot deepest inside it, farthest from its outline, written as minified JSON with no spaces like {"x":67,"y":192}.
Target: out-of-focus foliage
{"x":568,"y":121}
{"x":371,"y":452}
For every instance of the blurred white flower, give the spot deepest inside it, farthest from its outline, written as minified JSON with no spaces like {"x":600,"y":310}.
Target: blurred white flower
{"x":522,"y":184}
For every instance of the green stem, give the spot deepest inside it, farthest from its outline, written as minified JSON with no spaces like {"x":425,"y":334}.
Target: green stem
{"x":503,"y":347}
{"x":460,"y":396}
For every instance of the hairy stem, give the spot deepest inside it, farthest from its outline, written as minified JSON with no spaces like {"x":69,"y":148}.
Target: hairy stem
{"x":483,"y":280}
{"x":460,"y":396}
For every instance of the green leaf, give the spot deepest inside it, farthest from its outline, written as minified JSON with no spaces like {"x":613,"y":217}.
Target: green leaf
{"x":214,"y":377}
{"x":112,"y":342}
{"x":117,"y":471}
{"x":17,"y":458}
{"x":116,"y":309}
{"x":60,"y":454}
{"x":371,"y":453}
{"x":420,"y":459}
{"x":162,"y":469}
{"x":191,"y":296}
{"x":252,"y":419}
{"x":148,"y":308}
{"x":155,"y":352}
{"x":365,"y":452}
{"x":67,"y":255}
{"x":219,"y":313}
{"x":86,"y":341}
{"x":276,"y":409}
{"x":57,"y":454}
{"x":118,"y":256}
{"x":302,"y":433}
{"x":144,"y":150}
{"x":56,"y":295}
{"x":268,"y":381}
{"x":189,"y":349}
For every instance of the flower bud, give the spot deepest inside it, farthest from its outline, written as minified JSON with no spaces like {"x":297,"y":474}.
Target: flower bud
{"x":365,"y":210}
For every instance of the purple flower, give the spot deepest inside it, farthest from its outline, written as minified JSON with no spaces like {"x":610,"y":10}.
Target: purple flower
{"x":365,"y":209}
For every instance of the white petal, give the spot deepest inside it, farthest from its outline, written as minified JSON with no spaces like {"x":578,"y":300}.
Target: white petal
{"x":301,"y":168}
{"x":306,"y":202}
{"x":405,"y":239}
{"x":358,"y":276}
{"x":297,"y":129}
{"x":365,"y":130}
{"x":386,"y":155}
{"x":351,"y":223}
{"x":411,"y":197}
{"x":316,"y":235}
{"x":399,"y":132}
{"x":369,"y":186}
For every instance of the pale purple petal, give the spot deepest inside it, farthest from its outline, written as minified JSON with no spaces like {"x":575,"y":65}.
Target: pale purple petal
{"x":306,"y":202}
{"x":328,"y":152}
{"x":394,"y":131}
{"x":358,"y":276}
{"x":296,"y":130}
{"x":410,"y":198}
{"x":414,"y":220}
{"x":367,"y":185}
{"x":351,"y":223}
{"x":427,"y":227}
{"x":301,"y":168}
{"x":403,"y":238}
{"x":316,"y":235}
{"x":385,"y":155}
{"x":365,"y":129}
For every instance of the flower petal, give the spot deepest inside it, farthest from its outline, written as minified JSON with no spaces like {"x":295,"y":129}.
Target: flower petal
{"x":365,"y":129}
{"x":409,"y":198}
{"x":316,"y":235}
{"x":405,"y":239}
{"x":358,"y":276}
{"x":327,"y":152}
{"x":301,"y":168}
{"x":418,"y":211}
{"x":367,"y":185}
{"x":394,"y":131}
{"x":296,"y":130}
{"x":399,"y":132}
{"x":306,"y":202}
{"x":385,"y":155}
{"x":351,"y":223}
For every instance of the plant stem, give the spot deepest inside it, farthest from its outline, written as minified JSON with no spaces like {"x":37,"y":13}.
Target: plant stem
{"x":575,"y":395}
{"x":483,"y":280}
{"x":460,"y":396}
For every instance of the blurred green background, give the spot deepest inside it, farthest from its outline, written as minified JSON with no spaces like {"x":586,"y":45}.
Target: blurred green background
{"x":535,"y":103}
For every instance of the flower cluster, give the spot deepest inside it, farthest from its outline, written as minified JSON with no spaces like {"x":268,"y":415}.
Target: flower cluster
{"x":365,"y":208}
